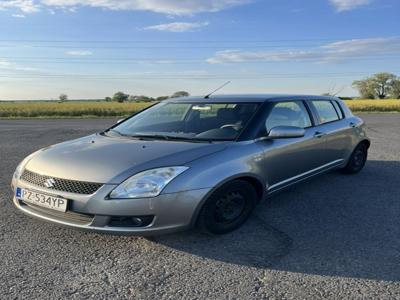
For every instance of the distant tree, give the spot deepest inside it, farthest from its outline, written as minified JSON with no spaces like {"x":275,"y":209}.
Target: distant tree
{"x":395,"y":91}
{"x":161,"y":98}
{"x":383,"y":84}
{"x":63,"y":97}
{"x":365,"y":88}
{"x":120,"y":97}
{"x":108,"y":99}
{"x":143,"y":98}
{"x":132,"y":98}
{"x":376,"y":86}
{"x":180,"y":94}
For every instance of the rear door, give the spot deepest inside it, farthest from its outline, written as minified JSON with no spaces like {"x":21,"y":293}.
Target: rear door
{"x":332,"y":128}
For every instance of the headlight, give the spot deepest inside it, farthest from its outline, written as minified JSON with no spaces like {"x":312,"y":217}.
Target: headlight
{"x":146,"y":184}
{"x":18,"y":170}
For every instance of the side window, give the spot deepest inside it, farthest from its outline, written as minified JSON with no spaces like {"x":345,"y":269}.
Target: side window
{"x":326,"y":112}
{"x":339,"y":111}
{"x":290,"y":113}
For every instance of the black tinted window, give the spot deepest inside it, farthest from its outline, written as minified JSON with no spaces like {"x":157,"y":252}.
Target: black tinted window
{"x":290,"y":113}
{"x":326,"y":112}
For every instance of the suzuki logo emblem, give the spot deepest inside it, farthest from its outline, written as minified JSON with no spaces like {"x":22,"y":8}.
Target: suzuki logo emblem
{"x":49,"y":183}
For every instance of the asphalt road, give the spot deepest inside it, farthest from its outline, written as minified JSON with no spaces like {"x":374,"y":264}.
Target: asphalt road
{"x":335,"y":236}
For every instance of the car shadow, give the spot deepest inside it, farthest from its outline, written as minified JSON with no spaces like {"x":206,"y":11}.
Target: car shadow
{"x":333,"y":225}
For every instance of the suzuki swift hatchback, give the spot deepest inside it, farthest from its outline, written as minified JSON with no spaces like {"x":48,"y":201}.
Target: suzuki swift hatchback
{"x":189,"y":162}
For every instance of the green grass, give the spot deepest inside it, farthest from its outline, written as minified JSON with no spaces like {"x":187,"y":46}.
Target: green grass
{"x":97,"y":109}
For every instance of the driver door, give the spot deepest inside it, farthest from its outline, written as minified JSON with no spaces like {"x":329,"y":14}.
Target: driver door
{"x":288,"y":159}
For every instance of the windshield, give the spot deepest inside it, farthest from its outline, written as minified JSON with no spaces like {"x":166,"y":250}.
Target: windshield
{"x":189,"y":121}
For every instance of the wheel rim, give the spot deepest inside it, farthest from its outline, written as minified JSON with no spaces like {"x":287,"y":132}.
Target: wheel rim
{"x":359,"y":158}
{"x":230,"y":207}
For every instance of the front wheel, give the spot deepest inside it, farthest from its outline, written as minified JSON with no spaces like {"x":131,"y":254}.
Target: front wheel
{"x":357,"y":160}
{"x":227,"y":208}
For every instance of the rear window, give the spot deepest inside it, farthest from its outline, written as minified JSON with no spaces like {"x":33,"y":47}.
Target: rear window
{"x":326,"y":111}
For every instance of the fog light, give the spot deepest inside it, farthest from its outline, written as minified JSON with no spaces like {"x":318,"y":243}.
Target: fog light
{"x":136,"y":221}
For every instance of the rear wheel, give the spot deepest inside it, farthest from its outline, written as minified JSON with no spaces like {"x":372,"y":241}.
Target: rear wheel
{"x":228,"y":207}
{"x":357,"y":160}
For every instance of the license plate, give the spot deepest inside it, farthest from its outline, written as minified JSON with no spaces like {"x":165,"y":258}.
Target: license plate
{"x":42,"y":200}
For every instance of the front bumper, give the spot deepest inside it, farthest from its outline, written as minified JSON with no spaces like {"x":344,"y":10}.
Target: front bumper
{"x":171,"y":212}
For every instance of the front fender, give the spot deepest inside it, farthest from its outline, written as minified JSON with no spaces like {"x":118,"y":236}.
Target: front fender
{"x":239,"y":160}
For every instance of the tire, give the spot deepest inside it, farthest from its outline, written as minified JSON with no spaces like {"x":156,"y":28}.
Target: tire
{"x":227,"y":208}
{"x":357,"y":160}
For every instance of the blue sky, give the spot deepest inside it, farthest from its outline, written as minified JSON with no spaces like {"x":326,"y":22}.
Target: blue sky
{"x":93,"y":48}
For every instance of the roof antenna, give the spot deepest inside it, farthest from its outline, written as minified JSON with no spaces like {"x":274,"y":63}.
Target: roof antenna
{"x":222,"y":86}
{"x":338,"y":91}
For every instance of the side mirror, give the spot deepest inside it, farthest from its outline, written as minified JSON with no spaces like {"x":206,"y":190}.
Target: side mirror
{"x":286,"y":132}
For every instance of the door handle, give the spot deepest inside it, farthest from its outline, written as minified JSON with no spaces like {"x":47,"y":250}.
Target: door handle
{"x":319,"y":134}
{"x":352,"y":124}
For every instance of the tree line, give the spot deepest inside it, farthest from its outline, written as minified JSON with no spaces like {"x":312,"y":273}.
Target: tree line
{"x":122,"y":97}
{"x":378,"y":86}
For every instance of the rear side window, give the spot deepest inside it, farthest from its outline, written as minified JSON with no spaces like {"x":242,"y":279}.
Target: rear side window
{"x":326,"y":111}
{"x":290,"y":113}
{"x":339,"y":111}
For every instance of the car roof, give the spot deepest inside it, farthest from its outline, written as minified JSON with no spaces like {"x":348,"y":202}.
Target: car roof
{"x":251,"y":98}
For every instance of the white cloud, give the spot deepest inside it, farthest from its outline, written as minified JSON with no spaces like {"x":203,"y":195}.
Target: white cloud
{"x":18,"y":15}
{"x":234,"y":56}
{"x":79,"y":53}
{"x":343,"y":5}
{"x":26,"y":6}
{"x":7,"y":65}
{"x":172,"y":7}
{"x":169,"y":7}
{"x":361,"y":47}
{"x":178,"y":26}
{"x":337,"y":51}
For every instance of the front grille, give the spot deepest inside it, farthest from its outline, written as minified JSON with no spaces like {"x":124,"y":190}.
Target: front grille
{"x":64,"y":185}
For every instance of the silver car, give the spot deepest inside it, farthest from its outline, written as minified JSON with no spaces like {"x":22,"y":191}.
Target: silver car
{"x":190,"y":162}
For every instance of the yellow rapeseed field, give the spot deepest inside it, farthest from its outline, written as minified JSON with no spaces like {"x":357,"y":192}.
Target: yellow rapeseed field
{"x":387,"y":105}
{"x":67,"y":109}
{"x":70,"y":109}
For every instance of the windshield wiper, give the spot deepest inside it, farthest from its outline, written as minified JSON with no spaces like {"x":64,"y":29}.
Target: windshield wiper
{"x":114,"y":131}
{"x":150,"y":136}
{"x":161,"y":137}
{"x":138,"y":136}
{"x":170,"y":138}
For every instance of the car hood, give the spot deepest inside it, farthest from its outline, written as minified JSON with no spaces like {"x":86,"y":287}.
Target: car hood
{"x":103,"y":159}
